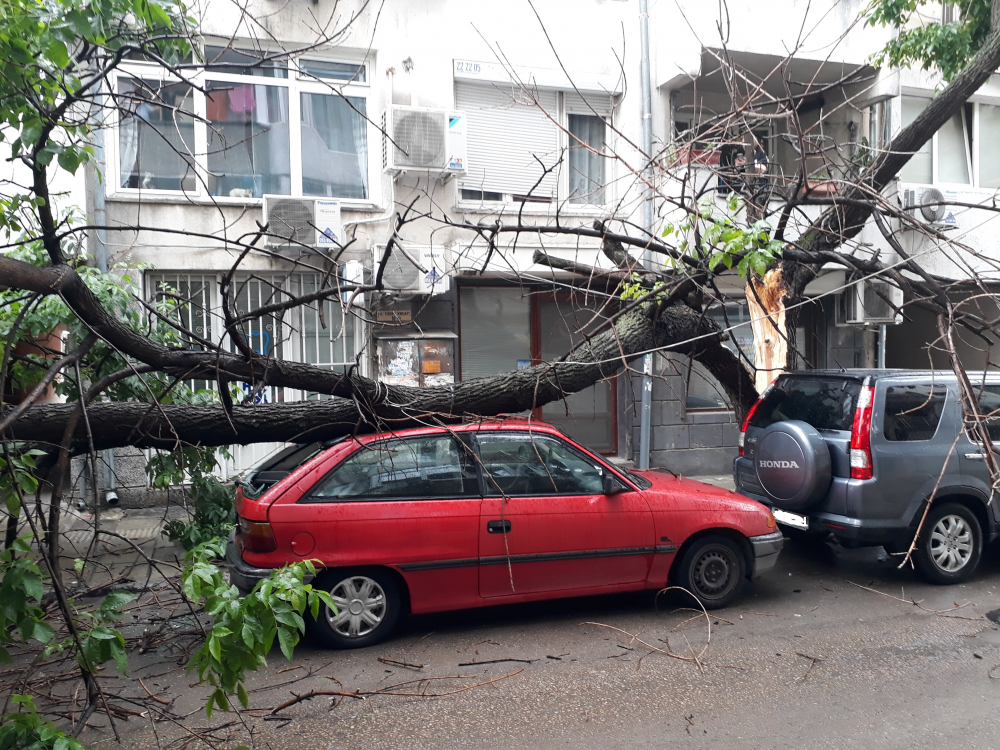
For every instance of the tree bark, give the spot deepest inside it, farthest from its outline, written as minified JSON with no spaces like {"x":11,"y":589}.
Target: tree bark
{"x":766,"y":304}
{"x":385,"y":407}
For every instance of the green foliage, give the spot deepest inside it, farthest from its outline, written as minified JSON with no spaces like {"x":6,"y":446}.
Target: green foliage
{"x":18,"y":476}
{"x":26,"y":730}
{"x":245,"y":628}
{"x":21,"y":617}
{"x":927,"y":43}
{"x":724,"y":238}
{"x":214,"y":512}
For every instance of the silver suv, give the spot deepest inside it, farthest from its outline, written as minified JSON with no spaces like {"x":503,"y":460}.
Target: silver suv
{"x":857,"y":453}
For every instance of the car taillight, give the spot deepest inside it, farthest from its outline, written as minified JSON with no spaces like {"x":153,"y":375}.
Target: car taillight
{"x":256,"y":536}
{"x":861,"y":435}
{"x":749,"y":416}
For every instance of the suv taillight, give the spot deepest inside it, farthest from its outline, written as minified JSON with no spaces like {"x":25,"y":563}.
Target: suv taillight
{"x":746,"y":420}
{"x":861,"y":435}
{"x":253,"y":536}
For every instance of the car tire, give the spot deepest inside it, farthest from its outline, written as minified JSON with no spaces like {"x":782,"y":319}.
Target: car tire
{"x":714,"y":570}
{"x":950,"y":544}
{"x":369,"y":603}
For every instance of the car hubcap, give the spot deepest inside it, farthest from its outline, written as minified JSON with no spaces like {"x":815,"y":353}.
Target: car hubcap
{"x":712,"y":574}
{"x":951,"y":543}
{"x":360,"y":607}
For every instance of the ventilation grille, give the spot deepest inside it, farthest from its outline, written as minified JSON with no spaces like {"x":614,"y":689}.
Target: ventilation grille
{"x":419,"y":139}
{"x":291,"y":220}
{"x":400,"y":274}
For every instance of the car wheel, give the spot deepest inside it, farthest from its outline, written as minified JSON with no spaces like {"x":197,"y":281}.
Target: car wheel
{"x":714,"y":570}
{"x":950,"y":546}
{"x":369,"y":604}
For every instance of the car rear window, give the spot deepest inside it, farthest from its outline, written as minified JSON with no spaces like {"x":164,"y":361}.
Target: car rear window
{"x":912,"y":412}
{"x":989,"y":407}
{"x":826,"y":404}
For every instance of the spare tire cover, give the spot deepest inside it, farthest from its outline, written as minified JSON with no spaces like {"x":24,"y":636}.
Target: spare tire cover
{"x":792,"y":462}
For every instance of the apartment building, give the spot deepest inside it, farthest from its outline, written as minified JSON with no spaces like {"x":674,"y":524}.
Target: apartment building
{"x":507,"y":112}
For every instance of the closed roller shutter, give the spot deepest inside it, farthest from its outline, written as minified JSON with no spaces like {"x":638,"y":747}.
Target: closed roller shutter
{"x":590,"y":103}
{"x":505,"y":134}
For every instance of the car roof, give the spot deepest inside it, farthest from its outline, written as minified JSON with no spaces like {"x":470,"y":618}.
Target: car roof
{"x":876,"y":374}
{"x":482,"y":424}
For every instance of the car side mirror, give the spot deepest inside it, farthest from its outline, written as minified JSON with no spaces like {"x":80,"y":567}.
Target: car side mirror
{"x":610,"y":485}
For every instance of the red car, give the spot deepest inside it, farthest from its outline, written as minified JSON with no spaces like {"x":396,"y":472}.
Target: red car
{"x":437,"y":519}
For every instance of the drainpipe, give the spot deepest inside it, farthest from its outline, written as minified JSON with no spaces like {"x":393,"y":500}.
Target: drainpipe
{"x":101,"y":261}
{"x":645,"y":412}
{"x":881,"y":346}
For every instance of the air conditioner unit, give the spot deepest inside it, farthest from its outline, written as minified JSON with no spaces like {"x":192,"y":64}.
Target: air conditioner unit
{"x":931,"y":206}
{"x":864,"y":302}
{"x":425,"y":140}
{"x":403,"y":277}
{"x":294,"y":222}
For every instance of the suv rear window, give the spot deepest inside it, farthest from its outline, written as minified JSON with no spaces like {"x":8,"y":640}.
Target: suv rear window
{"x":912,"y":412}
{"x":826,"y":404}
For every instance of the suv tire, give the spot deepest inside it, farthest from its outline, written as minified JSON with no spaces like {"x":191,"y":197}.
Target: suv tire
{"x":714,"y":570}
{"x":950,"y":545}
{"x":369,"y":605}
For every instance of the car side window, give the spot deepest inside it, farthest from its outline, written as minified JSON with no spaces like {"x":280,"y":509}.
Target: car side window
{"x":989,"y":407}
{"x":424,"y":467}
{"x":912,"y":412}
{"x":520,"y":464}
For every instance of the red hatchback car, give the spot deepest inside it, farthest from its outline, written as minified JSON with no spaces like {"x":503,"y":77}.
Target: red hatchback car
{"x":437,"y":519}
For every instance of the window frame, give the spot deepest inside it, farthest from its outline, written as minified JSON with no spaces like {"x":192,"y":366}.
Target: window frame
{"x":508,"y":203}
{"x":973,"y":148}
{"x":308,"y":498}
{"x":297,"y":82}
{"x":481,"y":467}
{"x":292,"y":331}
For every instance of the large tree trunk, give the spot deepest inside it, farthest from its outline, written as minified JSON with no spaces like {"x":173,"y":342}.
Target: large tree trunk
{"x":766,"y":304}
{"x":381,"y":407}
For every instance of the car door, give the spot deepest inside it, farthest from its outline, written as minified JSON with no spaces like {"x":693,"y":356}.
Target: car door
{"x":970,"y":451}
{"x":409,"y":503}
{"x":546,"y":524}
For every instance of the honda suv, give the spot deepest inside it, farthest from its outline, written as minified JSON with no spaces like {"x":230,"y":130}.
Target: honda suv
{"x":859,"y":453}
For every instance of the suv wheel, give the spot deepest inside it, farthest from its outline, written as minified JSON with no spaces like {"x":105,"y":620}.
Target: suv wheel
{"x":713,"y":569}
{"x":368,"y":607}
{"x":950,"y":545}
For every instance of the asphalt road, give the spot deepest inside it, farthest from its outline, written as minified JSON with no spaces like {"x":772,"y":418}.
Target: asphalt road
{"x":805,"y":660}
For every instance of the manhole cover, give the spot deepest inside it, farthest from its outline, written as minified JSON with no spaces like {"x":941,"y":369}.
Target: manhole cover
{"x":994,"y":615}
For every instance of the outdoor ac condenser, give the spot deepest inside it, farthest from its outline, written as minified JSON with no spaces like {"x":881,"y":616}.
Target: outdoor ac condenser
{"x":298,"y":222}
{"x":865,"y":302}
{"x":403,"y":277}
{"x":425,"y":140}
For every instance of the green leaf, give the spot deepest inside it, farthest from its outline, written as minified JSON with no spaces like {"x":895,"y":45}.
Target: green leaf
{"x":241,"y":693}
{"x":287,"y":642}
{"x":58,"y":53}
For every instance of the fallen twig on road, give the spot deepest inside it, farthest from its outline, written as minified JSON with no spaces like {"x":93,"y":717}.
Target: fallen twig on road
{"x":813,"y":660}
{"x":362,"y":694}
{"x":387,"y":660}
{"x":496,"y":661}
{"x":918,"y":605}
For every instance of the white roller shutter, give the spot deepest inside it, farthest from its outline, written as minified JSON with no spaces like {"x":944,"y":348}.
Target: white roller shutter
{"x":590,"y":103}
{"x":505,"y":133}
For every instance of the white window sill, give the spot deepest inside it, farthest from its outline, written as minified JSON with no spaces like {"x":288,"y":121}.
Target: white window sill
{"x":487,"y":208}
{"x":346,"y":204}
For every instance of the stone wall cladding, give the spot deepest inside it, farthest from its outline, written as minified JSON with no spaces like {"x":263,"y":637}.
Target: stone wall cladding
{"x":685,"y":441}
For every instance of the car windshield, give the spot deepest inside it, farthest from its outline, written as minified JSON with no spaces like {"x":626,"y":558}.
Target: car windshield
{"x":824,"y":403}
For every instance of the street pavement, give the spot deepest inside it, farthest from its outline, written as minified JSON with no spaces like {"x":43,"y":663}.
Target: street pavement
{"x":806,"y":659}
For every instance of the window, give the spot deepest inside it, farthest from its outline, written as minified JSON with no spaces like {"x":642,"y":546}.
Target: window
{"x":270,"y":126}
{"x":586,"y":163}
{"x":430,"y":467}
{"x":701,"y":390}
{"x":826,"y":404}
{"x":989,"y":407}
{"x":317,"y":333}
{"x":535,"y":465}
{"x":334,"y":146}
{"x":513,"y":140}
{"x":156,"y":135}
{"x":954,"y":156}
{"x":912,"y":412}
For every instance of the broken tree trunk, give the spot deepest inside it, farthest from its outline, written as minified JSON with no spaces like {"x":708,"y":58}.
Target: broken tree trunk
{"x":766,"y":303}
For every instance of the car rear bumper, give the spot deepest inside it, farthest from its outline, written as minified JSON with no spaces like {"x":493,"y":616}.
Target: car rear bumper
{"x":765,"y":552}
{"x":242,"y":576}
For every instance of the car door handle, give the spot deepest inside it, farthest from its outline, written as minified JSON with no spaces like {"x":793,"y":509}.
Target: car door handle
{"x":975,"y":456}
{"x":498,"y":527}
